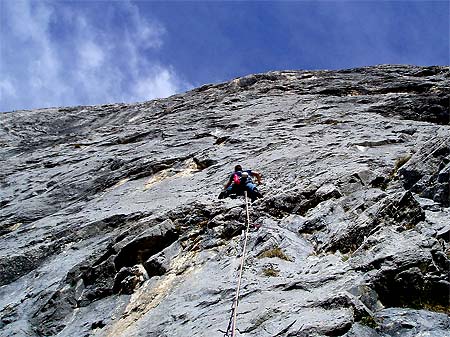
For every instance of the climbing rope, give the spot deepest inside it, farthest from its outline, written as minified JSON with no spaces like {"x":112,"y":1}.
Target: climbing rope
{"x":231,"y":330}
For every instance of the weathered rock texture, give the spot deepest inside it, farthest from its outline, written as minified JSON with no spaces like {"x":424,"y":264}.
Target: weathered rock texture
{"x":110,"y":223}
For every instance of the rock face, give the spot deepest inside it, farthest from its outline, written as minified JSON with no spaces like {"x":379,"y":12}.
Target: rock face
{"x":110,"y":223}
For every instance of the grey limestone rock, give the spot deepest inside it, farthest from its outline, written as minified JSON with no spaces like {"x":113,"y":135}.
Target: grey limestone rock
{"x":110,"y":223}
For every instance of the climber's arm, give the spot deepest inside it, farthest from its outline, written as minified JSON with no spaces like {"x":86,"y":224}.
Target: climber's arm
{"x":229,"y":182}
{"x":257,"y":175}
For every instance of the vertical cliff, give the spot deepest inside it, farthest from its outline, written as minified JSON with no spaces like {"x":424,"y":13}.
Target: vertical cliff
{"x":110,"y":223}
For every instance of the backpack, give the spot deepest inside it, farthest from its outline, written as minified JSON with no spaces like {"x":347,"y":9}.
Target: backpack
{"x":236,"y":179}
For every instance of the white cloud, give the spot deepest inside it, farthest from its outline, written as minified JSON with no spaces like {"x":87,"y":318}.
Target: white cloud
{"x":91,"y":55}
{"x":7,"y":89}
{"x":159,"y":84}
{"x":27,"y":22}
{"x":147,"y":34}
{"x":62,"y":53}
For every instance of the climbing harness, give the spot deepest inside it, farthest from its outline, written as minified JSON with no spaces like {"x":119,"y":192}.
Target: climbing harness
{"x":231,"y":330}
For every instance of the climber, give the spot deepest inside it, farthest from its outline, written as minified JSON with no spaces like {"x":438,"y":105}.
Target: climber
{"x":241,"y":181}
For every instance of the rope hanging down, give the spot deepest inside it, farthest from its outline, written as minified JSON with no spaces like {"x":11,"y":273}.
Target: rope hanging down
{"x":232,"y":324}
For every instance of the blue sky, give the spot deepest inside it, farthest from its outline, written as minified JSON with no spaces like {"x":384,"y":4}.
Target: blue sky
{"x":65,"y":53}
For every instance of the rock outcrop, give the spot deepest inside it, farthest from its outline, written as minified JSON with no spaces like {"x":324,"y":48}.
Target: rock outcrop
{"x":110,"y":223}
